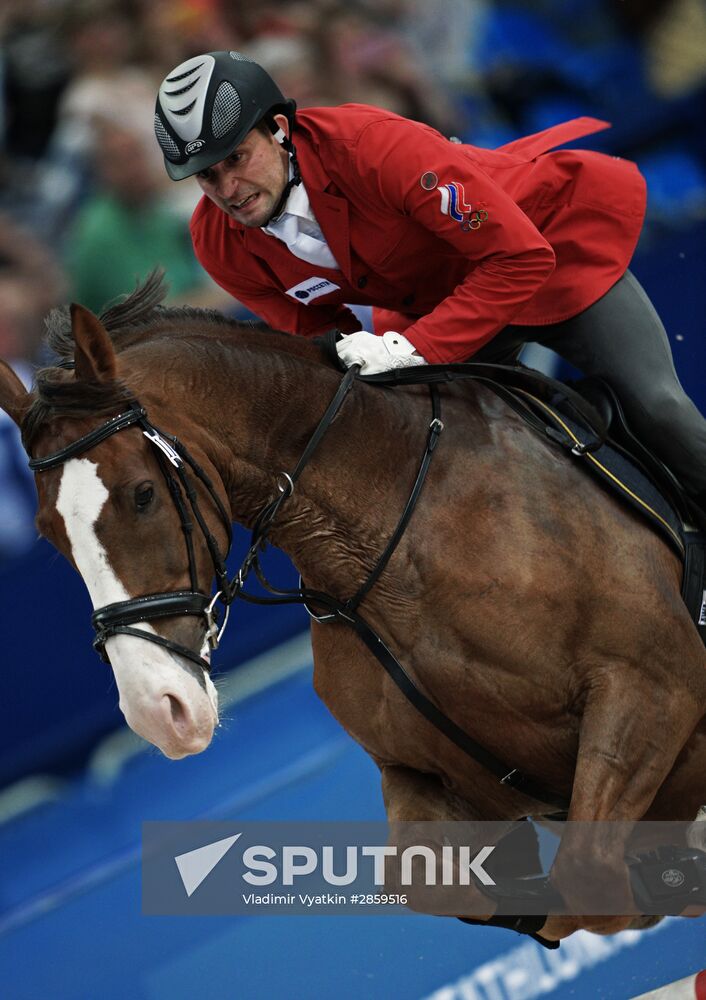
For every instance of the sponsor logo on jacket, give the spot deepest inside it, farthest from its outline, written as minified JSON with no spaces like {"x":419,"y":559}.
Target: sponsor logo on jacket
{"x":310,"y":289}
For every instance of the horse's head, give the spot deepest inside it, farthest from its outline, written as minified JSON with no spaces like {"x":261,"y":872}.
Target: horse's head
{"x":112,"y":507}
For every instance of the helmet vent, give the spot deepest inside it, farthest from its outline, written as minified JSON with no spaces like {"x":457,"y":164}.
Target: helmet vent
{"x":169,"y":147}
{"x":239,"y":57}
{"x":226,"y":110}
{"x":183,"y":111}
{"x":182,"y":90}
{"x":183,"y":76}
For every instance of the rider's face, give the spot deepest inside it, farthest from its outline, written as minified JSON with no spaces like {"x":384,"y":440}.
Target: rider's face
{"x":248,"y":184}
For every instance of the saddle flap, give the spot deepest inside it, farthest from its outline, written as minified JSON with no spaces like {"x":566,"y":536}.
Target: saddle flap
{"x":605,"y":400}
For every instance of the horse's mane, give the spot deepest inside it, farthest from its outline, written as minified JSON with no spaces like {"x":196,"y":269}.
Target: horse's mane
{"x":138,"y":317}
{"x":132,"y":319}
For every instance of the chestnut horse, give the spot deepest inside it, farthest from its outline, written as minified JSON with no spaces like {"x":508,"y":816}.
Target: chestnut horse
{"x":531,"y":607}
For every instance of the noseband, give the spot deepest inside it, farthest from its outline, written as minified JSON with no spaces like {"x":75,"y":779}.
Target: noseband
{"x":174,"y":461}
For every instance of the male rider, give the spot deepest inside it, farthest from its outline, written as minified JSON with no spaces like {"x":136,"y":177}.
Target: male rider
{"x":463,"y":252}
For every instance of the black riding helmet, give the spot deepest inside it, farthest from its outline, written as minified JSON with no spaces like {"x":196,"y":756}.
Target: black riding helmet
{"x":208,"y":104}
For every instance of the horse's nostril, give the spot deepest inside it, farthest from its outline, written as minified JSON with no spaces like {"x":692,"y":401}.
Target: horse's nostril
{"x":184,"y":730}
{"x":177,"y":711}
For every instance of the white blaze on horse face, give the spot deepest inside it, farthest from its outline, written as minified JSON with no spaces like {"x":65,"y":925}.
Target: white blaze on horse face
{"x":160,"y":699}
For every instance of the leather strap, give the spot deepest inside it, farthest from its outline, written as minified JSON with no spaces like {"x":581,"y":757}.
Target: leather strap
{"x":494,"y":375}
{"x":173,"y":647}
{"x":142,"y":609}
{"x":513,"y":376}
{"x":435,"y":429}
{"x":116,"y":618}
{"x":529,"y":925}
{"x":90,"y":440}
{"x":508,"y":776}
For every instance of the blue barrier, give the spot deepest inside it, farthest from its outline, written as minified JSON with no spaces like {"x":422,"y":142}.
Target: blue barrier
{"x":59,"y":697}
{"x":71,"y":927}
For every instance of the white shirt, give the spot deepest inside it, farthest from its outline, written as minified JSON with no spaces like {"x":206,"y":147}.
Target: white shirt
{"x":297,"y":227}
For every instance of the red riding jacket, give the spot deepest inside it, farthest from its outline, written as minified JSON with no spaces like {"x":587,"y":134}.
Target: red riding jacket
{"x":450,"y":242}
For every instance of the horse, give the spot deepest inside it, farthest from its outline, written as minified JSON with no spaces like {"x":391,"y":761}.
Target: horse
{"x":528,"y":604}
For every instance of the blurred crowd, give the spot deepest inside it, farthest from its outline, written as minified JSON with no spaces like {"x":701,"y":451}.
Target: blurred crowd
{"x":86,"y":208}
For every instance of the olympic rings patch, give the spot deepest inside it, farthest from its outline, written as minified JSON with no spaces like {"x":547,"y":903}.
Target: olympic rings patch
{"x":474,"y":220}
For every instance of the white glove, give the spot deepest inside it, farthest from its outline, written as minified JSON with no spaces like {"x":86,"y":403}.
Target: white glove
{"x":377,"y":354}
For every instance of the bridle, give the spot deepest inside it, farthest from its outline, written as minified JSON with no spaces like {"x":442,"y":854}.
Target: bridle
{"x":174,"y":461}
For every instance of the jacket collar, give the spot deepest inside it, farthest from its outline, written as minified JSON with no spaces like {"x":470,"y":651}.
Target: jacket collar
{"x":330,"y":209}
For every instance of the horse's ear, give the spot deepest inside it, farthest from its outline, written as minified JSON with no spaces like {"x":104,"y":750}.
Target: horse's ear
{"x":94,"y":354}
{"x":14,"y":398}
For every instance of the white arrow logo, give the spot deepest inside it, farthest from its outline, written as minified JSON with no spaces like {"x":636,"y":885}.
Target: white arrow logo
{"x":194,"y":866}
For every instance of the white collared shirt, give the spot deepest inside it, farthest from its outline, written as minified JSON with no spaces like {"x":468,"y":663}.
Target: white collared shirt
{"x":297,"y":227}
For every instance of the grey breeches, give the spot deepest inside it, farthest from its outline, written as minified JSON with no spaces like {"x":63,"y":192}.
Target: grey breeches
{"x":622,"y":339}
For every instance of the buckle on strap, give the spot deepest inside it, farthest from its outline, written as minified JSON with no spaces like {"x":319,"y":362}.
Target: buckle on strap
{"x":214,"y":631}
{"x":159,"y":442}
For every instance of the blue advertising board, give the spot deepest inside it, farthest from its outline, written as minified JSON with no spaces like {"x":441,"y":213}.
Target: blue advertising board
{"x":71,"y":926}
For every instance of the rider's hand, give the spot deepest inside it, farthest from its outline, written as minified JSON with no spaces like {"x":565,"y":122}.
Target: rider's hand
{"x":377,"y":354}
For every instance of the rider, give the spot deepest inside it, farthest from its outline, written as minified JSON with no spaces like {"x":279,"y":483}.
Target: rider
{"x":464,"y":253}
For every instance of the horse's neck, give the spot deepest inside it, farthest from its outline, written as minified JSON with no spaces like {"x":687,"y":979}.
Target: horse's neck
{"x":258,"y":408}
{"x":263,"y":406}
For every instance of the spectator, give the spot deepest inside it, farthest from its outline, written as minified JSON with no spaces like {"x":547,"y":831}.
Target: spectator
{"x":172,"y":31}
{"x":30,"y":284}
{"x":674,"y":38}
{"x":101,"y":46}
{"x":368,"y":62}
{"x":99,"y":43}
{"x":34,"y":72}
{"x":127,"y":228}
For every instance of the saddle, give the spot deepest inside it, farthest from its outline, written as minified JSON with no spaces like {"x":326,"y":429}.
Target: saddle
{"x":625,"y":466}
{"x":586,"y":419}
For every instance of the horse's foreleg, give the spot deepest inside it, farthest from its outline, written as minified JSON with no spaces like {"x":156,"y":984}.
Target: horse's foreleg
{"x":413,"y":801}
{"x":412,"y":797}
{"x":628,"y":743}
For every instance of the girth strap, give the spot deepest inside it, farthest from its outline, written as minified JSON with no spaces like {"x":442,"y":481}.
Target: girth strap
{"x":529,"y":925}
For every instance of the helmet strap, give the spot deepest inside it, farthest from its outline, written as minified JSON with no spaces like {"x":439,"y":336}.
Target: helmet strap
{"x":296,"y":178}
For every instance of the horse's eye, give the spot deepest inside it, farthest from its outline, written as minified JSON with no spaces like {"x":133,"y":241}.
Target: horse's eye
{"x":144,"y":494}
